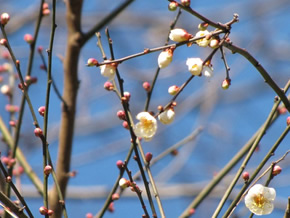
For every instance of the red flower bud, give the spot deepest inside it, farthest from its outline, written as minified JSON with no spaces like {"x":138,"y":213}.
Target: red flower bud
{"x":38,"y":132}
{"x":147,"y":86}
{"x":43,"y":210}
{"x":246,"y":176}
{"x":148,"y":157}
{"x":120,"y":164}
{"x":41,"y":110}
{"x":276,"y":170}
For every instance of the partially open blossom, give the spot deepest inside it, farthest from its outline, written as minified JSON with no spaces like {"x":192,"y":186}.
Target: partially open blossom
{"x":147,"y":126}
{"x":108,"y":70}
{"x":4,"y":18}
{"x":194,"y":66}
{"x":172,"y":90}
{"x":259,"y":199}
{"x":204,"y":41}
{"x":172,"y":6}
{"x":167,"y":116}
{"x":179,"y":35}
{"x":92,"y":62}
{"x":207,"y":71}
{"x":28,"y":38}
{"x":108,"y":86}
{"x":214,"y":43}
{"x":165,"y":58}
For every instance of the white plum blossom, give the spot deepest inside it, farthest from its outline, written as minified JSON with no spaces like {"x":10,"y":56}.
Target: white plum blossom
{"x":172,"y":90}
{"x":167,"y":116}
{"x":204,"y":41}
{"x":165,"y":58}
{"x":259,"y":199}
{"x":179,"y":35}
{"x":207,"y":71}
{"x":194,"y":66}
{"x":108,"y":70}
{"x":147,"y":126}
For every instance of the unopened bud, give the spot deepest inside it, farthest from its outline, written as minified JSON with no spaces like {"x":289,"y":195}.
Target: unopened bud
{"x":89,"y":215}
{"x":173,"y":90}
{"x":185,"y":3}
{"x":11,"y":108}
{"x":43,"y":210}
{"x":246,"y":176}
{"x":92,"y":62}
{"x":115,"y":196}
{"x":38,"y":132}
{"x":28,"y":38}
{"x":111,"y":207}
{"x":226,"y":84}
{"x":121,"y":115}
{"x":172,"y":6}
{"x":47,"y":170}
{"x":276,"y":170}
{"x":148,"y":157}
{"x":50,"y":212}
{"x":127,"y":95}
{"x":5,"y":90}
{"x":124,"y":183}
{"x":191,"y":211}
{"x":125,"y":125}
{"x":146,"y":86}
{"x":41,"y":110}
{"x":120,"y":164}
{"x":5,"y":18}
{"x":108,"y":86}
{"x":3,"y":42}
{"x":288,"y":121}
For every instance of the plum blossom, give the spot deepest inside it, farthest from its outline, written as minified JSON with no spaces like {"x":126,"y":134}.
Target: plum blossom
{"x":179,"y":35}
{"x":259,"y":199}
{"x":167,"y":116}
{"x":165,"y":58}
{"x":195,"y":66}
{"x":147,"y":126}
{"x":108,"y":70}
{"x":207,"y":71}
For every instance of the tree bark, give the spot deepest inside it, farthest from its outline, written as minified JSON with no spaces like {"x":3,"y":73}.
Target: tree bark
{"x":70,"y":89}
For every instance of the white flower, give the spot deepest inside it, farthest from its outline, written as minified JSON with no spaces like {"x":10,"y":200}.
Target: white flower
{"x":167,"y":116}
{"x":165,"y":58}
{"x":259,"y":199}
{"x":147,"y":126}
{"x":202,"y":42}
{"x":179,"y":35}
{"x":207,"y":71}
{"x":123,"y":183}
{"x":172,"y":90}
{"x":108,"y":70}
{"x":194,"y":66}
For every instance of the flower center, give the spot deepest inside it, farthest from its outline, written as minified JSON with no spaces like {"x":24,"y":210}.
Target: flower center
{"x":147,"y":123}
{"x":260,"y":200}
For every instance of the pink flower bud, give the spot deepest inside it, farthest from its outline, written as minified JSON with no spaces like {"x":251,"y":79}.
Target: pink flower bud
{"x":125,"y":125}
{"x":121,"y":114}
{"x":11,"y":108}
{"x":111,"y":207}
{"x":172,"y":6}
{"x":12,"y":162}
{"x":127,"y":95}
{"x":147,"y":86}
{"x":50,"y":212}
{"x":12,"y":123}
{"x":19,"y":171}
{"x":45,"y":6}
{"x":246,"y":176}
{"x":28,"y":38}
{"x":108,"y":86}
{"x":3,"y":42}
{"x":92,"y":62}
{"x":148,"y":157}
{"x":38,"y":132}
{"x":282,"y":110}
{"x":276,"y":170}
{"x":120,"y":164}
{"x":191,"y":211}
{"x":185,"y":3}
{"x":115,"y":196}
{"x":43,"y":210}
{"x":8,"y":179}
{"x":89,"y":215}
{"x":288,"y":121}
{"x":5,"y":160}
{"x":226,"y":84}
{"x":41,"y":110}
{"x":40,"y":49}
{"x":47,"y":170}
{"x":5,"y":18}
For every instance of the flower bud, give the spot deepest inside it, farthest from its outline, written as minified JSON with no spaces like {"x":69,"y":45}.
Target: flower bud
{"x":5,"y":90}
{"x":38,"y":132}
{"x":172,"y":90}
{"x":276,"y":170}
{"x":8,"y":179}
{"x":125,"y":125}
{"x":120,"y":164}
{"x":115,"y":196}
{"x":167,"y":116}
{"x":108,"y":86}
{"x":5,"y":18}
{"x":127,"y":95}
{"x":43,"y":210}
{"x":124,"y":183}
{"x":226,"y":84}
{"x":28,"y":38}
{"x":121,"y":114}
{"x":165,"y":58}
{"x":30,"y":80}
{"x":50,"y":212}
{"x":191,"y":211}
{"x":202,"y":26}
{"x":288,"y":121}
{"x":148,"y":157}
{"x":214,"y":43}
{"x":111,"y":207}
{"x":47,"y":170}
{"x":3,"y":42}
{"x":108,"y":70}
{"x":174,"y":152}
{"x":246,"y":176}
{"x":172,"y":6}
{"x":12,"y":162}
{"x":41,"y":110}
{"x":282,"y":110}
{"x":89,"y":215}
{"x":185,"y":3}
{"x":11,"y":108}
{"x":92,"y":62}
{"x":179,"y":35}
{"x":147,"y":86}
{"x":12,"y":123}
